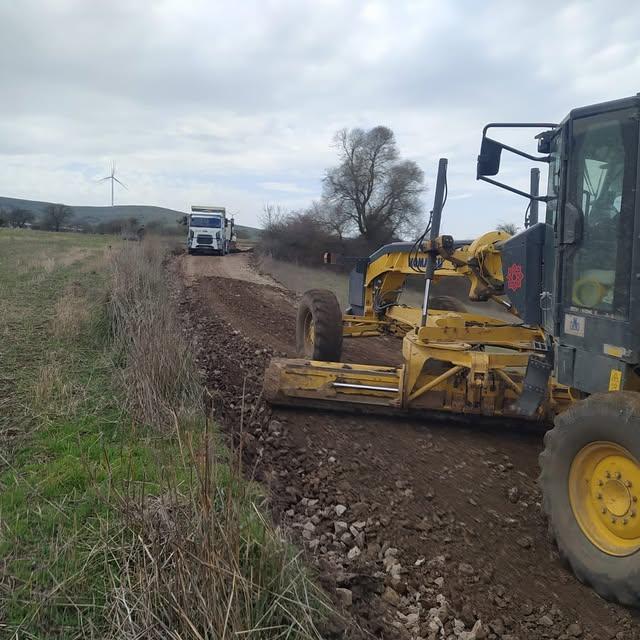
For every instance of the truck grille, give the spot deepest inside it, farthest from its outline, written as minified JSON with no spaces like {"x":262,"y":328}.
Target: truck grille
{"x":204,"y":239}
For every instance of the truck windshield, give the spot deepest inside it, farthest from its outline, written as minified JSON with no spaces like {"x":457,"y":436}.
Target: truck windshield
{"x":201,"y":221}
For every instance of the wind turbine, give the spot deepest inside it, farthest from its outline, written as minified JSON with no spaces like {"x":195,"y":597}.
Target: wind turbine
{"x":113,"y":179}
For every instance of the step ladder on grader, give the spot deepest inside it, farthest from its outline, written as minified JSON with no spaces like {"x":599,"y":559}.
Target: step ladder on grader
{"x":571,"y":356}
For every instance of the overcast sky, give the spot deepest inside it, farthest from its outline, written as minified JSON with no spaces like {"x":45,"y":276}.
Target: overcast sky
{"x":236,"y":103}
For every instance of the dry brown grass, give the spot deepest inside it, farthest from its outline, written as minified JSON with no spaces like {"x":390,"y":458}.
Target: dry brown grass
{"x":54,"y":394}
{"x":197,"y":559}
{"x":157,"y":368}
{"x":72,"y":312}
{"x":49,"y":386}
{"x":47,"y":260}
{"x":199,"y":562}
{"x":47,"y":265}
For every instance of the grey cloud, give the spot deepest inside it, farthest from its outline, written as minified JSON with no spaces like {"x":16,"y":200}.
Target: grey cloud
{"x":197,"y":98}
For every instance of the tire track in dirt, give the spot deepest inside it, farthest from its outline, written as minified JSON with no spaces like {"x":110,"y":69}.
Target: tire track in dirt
{"x":442,"y":521}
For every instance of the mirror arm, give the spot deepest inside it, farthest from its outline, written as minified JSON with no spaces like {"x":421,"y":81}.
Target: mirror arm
{"x":518,"y":125}
{"x":519,"y":152}
{"x":524,"y":194}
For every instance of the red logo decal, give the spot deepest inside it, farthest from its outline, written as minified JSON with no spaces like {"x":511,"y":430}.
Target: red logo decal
{"x":515,"y":277}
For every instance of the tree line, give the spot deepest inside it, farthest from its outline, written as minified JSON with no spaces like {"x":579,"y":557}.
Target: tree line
{"x":54,"y":218}
{"x":369,"y":198}
{"x":59,"y":217}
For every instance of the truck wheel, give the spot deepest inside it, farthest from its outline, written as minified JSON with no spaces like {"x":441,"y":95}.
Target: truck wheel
{"x":190,"y":251}
{"x":590,"y":479}
{"x":447,"y":303}
{"x":319,"y":326}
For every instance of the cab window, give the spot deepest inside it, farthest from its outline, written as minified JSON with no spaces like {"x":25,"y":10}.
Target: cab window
{"x":601,"y":184}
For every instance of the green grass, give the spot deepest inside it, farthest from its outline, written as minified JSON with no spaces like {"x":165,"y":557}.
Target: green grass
{"x":60,"y":422}
{"x":83,"y":552}
{"x":64,"y":438}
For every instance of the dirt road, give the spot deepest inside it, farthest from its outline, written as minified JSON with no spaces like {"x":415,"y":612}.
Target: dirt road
{"x":420,"y":530}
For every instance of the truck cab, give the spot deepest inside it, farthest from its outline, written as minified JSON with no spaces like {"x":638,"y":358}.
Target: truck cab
{"x":209,"y":231}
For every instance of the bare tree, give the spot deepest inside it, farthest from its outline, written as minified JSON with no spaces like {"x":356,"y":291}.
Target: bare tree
{"x":332,"y":216}
{"x":379,"y":194}
{"x":509,"y":227}
{"x":19,"y":217}
{"x":55,"y":216}
{"x":272,"y":214}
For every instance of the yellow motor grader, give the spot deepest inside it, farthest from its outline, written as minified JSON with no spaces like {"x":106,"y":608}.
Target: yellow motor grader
{"x":569,"y":356}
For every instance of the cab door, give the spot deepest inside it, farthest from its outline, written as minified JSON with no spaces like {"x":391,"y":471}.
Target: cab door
{"x":551,"y":286}
{"x":596,"y":240}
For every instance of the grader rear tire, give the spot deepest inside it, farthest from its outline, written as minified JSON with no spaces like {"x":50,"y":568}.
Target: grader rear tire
{"x":590,"y":480}
{"x":319,"y":326}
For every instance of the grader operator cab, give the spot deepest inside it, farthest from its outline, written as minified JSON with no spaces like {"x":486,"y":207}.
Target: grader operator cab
{"x":570,"y":356}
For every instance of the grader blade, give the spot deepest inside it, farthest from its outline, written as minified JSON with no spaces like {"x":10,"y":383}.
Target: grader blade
{"x":474,"y":383}
{"x":317,"y":384}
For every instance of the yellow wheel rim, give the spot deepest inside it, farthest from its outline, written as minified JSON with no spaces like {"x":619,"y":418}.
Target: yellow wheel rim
{"x":604,"y":487}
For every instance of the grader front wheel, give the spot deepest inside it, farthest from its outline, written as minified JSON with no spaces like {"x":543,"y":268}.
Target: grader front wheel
{"x":319,"y":326}
{"x":590,"y":482}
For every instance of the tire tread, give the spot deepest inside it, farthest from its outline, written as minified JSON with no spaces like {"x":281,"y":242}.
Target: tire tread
{"x":324,"y":307}
{"x":607,"y":407}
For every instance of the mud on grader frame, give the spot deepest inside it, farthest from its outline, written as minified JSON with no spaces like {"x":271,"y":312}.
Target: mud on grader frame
{"x":571,"y":355}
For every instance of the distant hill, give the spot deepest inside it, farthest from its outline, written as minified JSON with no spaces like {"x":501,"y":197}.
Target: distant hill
{"x":94,"y":215}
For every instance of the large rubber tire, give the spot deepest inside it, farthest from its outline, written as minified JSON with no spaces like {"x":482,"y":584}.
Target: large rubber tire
{"x":319,"y":314}
{"x":446,"y":303}
{"x":601,"y":418}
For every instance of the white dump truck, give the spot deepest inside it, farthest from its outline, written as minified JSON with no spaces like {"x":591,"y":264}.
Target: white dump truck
{"x":209,"y":230}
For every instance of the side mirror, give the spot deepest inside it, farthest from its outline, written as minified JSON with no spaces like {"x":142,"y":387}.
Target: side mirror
{"x":544,"y":140}
{"x":572,"y":224}
{"x":489,"y":158}
{"x":544,"y":145}
{"x":183,"y":220}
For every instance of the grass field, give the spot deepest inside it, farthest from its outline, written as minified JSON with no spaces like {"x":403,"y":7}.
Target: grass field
{"x":91,"y":477}
{"x":58,"y":419}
